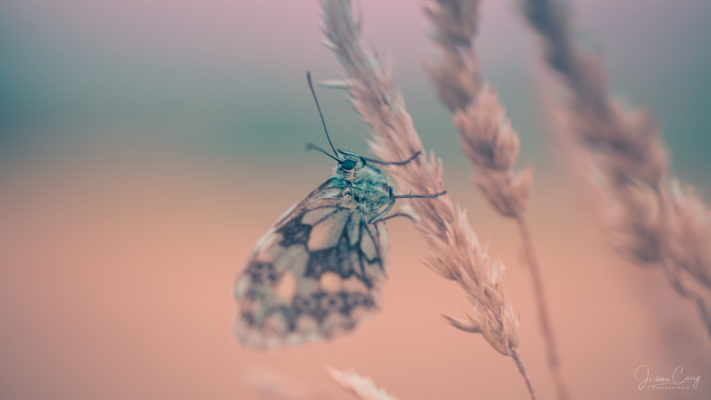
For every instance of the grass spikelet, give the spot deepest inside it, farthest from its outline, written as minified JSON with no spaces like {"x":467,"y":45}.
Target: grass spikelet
{"x":649,"y":223}
{"x":452,"y":249}
{"x":487,"y":138}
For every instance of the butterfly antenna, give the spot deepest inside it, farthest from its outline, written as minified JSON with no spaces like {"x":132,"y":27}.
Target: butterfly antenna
{"x":312,"y":146}
{"x":318,"y":107}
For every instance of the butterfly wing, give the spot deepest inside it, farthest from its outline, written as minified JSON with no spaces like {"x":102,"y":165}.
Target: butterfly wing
{"x":314,"y":275}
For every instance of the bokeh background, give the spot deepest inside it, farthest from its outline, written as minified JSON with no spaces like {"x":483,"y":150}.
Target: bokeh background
{"x":146,"y":145}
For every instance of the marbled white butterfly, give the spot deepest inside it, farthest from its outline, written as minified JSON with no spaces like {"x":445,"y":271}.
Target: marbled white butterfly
{"x":318,"y":271}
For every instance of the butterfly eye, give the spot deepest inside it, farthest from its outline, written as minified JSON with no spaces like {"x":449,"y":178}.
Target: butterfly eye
{"x":348,"y":165}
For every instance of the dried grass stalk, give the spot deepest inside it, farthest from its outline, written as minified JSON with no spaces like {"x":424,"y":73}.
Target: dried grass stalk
{"x":648,"y":222}
{"x":363,"y":388}
{"x":452,"y":249}
{"x":487,"y":137}
{"x":270,"y":384}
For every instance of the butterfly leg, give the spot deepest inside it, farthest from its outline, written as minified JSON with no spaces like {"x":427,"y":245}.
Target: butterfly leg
{"x":397,"y":214}
{"x":385,"y":210}
{"x":419,"y":196}
{"x":412,"y":157}
{"x":379,"y":217}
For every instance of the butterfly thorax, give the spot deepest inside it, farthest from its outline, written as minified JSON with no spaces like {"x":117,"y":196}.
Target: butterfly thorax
{"x":366,"y":186}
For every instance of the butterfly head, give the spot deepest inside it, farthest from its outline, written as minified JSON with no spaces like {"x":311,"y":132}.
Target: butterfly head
{"x":349,"y":164}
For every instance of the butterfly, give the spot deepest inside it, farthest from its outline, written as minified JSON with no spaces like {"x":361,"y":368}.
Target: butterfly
{"x":317,"y":272}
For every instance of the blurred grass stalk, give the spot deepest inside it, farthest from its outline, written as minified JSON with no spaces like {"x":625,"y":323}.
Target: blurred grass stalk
{"x":361,"y":387}
{"x":650,"y":221}
{"x":452,"y":249}
{"x":487,"y":138}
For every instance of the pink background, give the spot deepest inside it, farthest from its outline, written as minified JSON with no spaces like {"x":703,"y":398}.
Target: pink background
{"x":147,"y":145}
